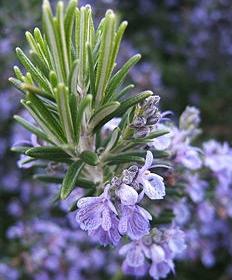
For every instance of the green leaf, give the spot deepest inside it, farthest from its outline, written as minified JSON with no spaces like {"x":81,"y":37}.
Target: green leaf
{"x":51,"y":153}
{"x":45,"y":116}
{"x":62,"y":96}
{"x":36,"y":59}
{"x":18,"y":73}
{"x":82,"y":37}
{"x":119,"y":77}
{"x":84,"y":104}
{"x":157,"y":133}
{"x":53,"y":79}
{"x":102,"y":113}
{"x":90,"y":158}
{"x":42,"y":47}
{"x":36,"y":74}
{"x":150,"y":137}
{"x":80,"y":182}
{"x":48,"y":178}
{"x":134,"y":100}
{"x":123,"y":158}
{"x":19,"y":149}
{"x":62,"y":37}
{"x":17,"y":84}
{"x":52,"y":39}
{"x":124,"y":91}
{"x":31,"y":41}
{"x":35,"y":90}
{"x":117,"y":42}
{"x":113,"y":139}
{"x":91,"y":71}
{"x":33,"y":129}
{"x":124,"y":106}
{"x":68,"y":26}
{"x":105,"y":54}
{"x":70,"y":179}
{"x":73,"y":78}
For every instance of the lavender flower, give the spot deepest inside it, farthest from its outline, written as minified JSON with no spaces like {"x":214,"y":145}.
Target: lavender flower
{"x":127,"y":194}
{"x":134,"y":222}
{"x":98,"y":216}
{"x":159,"y":248}
{"x":152,"y":184}
{"x":217,"y":156}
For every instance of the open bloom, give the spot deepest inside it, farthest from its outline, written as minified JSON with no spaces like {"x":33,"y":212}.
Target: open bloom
{"x":152,"y":184}
{"x":160,"y":250}
{"x":134,"y":221}
{"x":98,"y":216}
{"x":135,"y":262}
{"x":127,"y":194}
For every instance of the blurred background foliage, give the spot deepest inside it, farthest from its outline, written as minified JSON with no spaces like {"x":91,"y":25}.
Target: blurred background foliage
{"x":187,"y":59}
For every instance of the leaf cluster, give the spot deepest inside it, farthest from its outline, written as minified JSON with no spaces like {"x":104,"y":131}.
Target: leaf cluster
{"x":72,"y":88}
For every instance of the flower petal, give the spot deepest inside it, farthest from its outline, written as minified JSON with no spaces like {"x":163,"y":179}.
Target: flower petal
{"x":125,"y":248}
{"x":145,"y":213}
{"x":135,"y":257}
{"x":157,"y":253}
{"x":82,"y":202}
{"x":106,"y":219}
{"x":148,"y":162}
{"x":154,"y":188}
{"x":122,"y":226}
{"x":127,"y":194}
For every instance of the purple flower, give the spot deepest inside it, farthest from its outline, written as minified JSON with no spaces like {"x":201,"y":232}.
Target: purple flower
{"x":97,"y":215}
{"x":206,"y":212}
{"x":217,"y":156}
{"x":160,"y":269}
{"x":106,"y":235}
{"x":171,"y":244}
{"x":188,"y":156}
{"x":189,"y":121}
{"x":152,"y":184}
{"x":175,"y":239}
{"x":196,"y":188}
{"x":162,"y":142}
{"x":134,"y":221}
{"x":134,"y":263}
{"x":182,"y":212}
{"x":127,"y":194}
{"x":160,"y":248}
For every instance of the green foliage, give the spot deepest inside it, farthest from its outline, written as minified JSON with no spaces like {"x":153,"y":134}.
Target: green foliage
{"x":72,"y":88}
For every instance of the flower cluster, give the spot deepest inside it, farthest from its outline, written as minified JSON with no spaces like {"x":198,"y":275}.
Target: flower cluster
{"x":153,"y":253}
{"x":105,"y":154}
{"x":148,"y":115}
{"x":205,"y":174}
{"x":116,"y":211}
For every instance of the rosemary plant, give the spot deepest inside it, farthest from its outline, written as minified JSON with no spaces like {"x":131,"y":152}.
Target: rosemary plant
{"x":92,"y":133}
{"x":72,"y":88}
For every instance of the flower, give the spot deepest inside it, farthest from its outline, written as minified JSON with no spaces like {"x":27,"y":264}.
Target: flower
{"x":190,"y":120}
{"x":188,"y":156}
{"x":196,"y":188}
{"x":159,"y":248}
{"x":134,"y":222}
{"x":162,"y":142}
{"x":134,"y":263}
{"x":153,"y":185}
{"x":217,"y":156}
{"x":127,"y":194}
{"x":97,"y":215}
